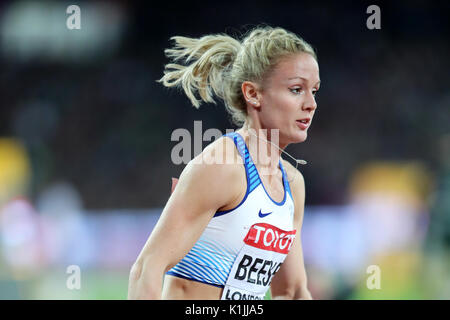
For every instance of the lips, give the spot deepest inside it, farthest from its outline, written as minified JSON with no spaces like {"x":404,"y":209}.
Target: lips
{"x":303,"y":123}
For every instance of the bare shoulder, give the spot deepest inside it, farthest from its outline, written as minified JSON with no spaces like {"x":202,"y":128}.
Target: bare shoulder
{"x":220,"y":156}
{"x":217,"y":172}
{"x":223,"y":151}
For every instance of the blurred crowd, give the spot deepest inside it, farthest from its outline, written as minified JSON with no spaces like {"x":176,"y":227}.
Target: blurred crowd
{"x":85,"y":141}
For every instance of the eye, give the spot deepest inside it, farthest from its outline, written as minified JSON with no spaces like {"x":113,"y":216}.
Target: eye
{"x":315,"y":92}
{"x":297,"y":90}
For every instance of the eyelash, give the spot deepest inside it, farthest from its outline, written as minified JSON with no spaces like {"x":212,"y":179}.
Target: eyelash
{"x":292,"y":90}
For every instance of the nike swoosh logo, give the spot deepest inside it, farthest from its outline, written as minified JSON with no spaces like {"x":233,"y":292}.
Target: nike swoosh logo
{"x":262,"y":215}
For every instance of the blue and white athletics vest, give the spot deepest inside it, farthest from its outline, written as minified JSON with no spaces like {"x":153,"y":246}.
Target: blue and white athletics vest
{"x":241,"y":249}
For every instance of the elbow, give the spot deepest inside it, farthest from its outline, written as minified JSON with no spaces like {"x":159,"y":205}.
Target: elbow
{"x":134,"y":281}
{"x":139,"y":284}
{"x":144,"y":282}
{"x":303,"y":294}
{"x":286,"y":293}
{"x":294,"y":293}
{"x":135,"y":272}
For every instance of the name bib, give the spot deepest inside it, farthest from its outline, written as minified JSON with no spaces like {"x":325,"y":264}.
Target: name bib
{"x":264,"y":250}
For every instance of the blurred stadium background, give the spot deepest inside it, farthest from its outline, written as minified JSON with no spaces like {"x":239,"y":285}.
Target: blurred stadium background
{"x":85,"y":145}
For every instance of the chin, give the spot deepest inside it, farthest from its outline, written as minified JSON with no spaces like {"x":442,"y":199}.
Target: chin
{"x":297,"y":137}
{"x":300,"y":140}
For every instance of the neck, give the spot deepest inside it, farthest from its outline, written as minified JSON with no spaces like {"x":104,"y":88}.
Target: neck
{"x":263,"y":145}
{"x":271,"y":149}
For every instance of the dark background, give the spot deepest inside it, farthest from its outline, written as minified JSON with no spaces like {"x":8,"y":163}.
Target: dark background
{"x":105,"y":124}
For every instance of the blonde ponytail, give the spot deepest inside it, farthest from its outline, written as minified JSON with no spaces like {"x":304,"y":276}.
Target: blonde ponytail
{"x":210,"y":56}
{"x":216,"y":65}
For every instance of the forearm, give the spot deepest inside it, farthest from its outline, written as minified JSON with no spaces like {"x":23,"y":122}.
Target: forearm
{"x":145,"y":282}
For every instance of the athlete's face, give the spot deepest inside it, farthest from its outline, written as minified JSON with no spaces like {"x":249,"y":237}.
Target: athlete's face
{"x":289,"y":96}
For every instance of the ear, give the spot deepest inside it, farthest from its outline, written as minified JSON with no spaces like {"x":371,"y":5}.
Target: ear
{"x":251,"y":93}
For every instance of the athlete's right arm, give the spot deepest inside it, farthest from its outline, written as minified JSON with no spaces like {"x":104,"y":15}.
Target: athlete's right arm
{"x":201,"y":190}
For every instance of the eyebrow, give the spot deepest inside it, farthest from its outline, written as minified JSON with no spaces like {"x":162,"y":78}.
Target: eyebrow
{"x":302,"y":79}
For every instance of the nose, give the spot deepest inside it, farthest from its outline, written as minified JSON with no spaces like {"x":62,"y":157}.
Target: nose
{"x":310,"y":102}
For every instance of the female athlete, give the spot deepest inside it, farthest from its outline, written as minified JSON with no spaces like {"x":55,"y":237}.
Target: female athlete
{"x":231,"y":229}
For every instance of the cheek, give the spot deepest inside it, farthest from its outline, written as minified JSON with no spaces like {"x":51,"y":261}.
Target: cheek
{"x":282,"y":100}
{"x":281,"y":108}
{"x":288,"y":105}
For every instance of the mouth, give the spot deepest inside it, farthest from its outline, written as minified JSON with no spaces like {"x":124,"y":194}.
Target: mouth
{"x":303,"y":123}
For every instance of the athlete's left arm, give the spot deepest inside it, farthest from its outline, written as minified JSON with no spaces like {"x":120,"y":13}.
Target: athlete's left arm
{"x":290,"y":282}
